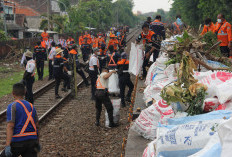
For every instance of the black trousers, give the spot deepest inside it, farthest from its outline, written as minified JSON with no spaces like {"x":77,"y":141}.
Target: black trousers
{"x":29,"y":94}
{"x":40,"y":68}
{"x":50,"y":69}
{"x":93,"y":77}
{"x":124,"y":80}
{"x":82,"y":74}
{"x":108,"y":105}
{"x":146,"y":61}
{"x":24,"y":148}
{"x":58,"y":78}
{"x":225,"y":51}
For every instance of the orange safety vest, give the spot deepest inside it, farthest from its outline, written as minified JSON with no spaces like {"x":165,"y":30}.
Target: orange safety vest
{"x":89,"y":39}
{"x":149,"y":36}
{"x":43,"y":44}
{"x":112,"y":60}
{"x":208,"y":28}
{"x":178,"y":28}
{"x":224,"y":33}
{"x":101,"y":41}
{"x":113,"y":42}
{"x":44,"y":36}
{"x":99,"y":84}
{"x":29,"y":119}
{"x":81,"y":40}
{"x":95,"y":43}
{"x":74,"y":52}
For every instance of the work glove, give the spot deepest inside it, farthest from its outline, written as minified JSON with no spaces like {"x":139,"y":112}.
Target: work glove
{"x":69,"y":73}
{"x":8,"y":152}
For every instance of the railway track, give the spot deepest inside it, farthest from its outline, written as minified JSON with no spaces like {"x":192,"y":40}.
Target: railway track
{"x":45,"y":102}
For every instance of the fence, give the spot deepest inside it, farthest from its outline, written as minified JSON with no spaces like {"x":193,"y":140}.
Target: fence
{"x":15,"y":46}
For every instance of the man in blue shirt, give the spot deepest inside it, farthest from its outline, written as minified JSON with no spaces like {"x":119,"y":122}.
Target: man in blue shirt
{"x":22,"y":126}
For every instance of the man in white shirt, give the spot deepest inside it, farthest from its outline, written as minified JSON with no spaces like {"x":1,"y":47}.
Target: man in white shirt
{"x":28,"y":76}
{"x":93,"y":71}
{"x":51,"y":57}
{"x":102,"y":97}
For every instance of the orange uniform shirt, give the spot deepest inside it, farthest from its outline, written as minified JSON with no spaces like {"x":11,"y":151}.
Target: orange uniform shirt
{"x":113,"y":42}
{"x":206,"y":29}
{"x":224,"y":32}
{"x":45,"y":36}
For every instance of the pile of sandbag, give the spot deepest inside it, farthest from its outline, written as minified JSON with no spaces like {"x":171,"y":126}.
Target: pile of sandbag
{"x":195,"y":136}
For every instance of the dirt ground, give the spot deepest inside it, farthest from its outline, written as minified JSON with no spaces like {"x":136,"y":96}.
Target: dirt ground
{"x":71,"y":131}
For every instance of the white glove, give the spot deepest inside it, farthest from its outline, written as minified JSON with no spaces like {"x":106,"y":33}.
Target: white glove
{"x":52,"y":62}
{"x":70,"y":73}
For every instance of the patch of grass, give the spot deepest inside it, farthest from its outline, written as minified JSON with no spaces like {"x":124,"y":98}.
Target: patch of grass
{"x":7,"y":83}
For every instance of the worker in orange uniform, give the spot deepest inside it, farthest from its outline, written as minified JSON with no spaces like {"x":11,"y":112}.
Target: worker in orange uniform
{"x":149,"y":40}
{"x":124,"y":78}
{"x":70,"y":40}
{"x":81,"y":39}
{"x":114,"y":42}
{"x":73,"y":52}
{"x":178,"y":26}
{"x":223,"y":32}
{"x":40,"y":55}
{"x":209,"y":26}
{"x":102,"y":97}
{"x":101,"y":41}
{"x":95,"y":42}
{"x":88,"y":36}
{"x":45,"y":35}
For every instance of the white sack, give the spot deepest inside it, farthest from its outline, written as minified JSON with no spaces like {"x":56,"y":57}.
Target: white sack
{"x":136,"y":59}
{"x":113,"y":84}
{"x":116,"y":112}
{"x":146,"y":123}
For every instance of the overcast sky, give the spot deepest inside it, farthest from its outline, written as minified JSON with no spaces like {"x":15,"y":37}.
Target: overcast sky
{"x":151,"y":5}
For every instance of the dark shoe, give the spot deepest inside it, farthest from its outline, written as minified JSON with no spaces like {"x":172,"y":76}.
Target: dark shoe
{"x":113,"y":125}
{"x":128,"y":99}
{"x":97,"y":123}
{"x":64,"y":89}
{"x":58,"y":97}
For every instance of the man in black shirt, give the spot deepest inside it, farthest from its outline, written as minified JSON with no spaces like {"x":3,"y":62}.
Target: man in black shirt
{"x":40,"y":56}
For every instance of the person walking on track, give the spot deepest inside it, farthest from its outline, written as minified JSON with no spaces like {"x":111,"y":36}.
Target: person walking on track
{"x":29,"y":76}
{"x":93,"y":71}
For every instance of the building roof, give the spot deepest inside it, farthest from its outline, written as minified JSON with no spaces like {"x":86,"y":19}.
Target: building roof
{"x":13,"y":26}
{"x":27,"y":11}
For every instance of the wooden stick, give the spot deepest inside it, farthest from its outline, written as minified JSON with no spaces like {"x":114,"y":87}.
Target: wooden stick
{"x":75,"y":75}
{"x":208,"y":67}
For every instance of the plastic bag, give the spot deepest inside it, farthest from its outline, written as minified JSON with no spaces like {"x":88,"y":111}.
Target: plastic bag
{"x":224,"y":132}
{"x":113,"y":84}
{"x":136,"y":59}
{"x":146,"y":123}
{"x":210,"y":104}
{"x":150,"y":150}
{"x":116,"y":112}
{"x":212,"y":149}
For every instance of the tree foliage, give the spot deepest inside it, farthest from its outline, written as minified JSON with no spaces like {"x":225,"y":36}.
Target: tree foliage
{"x":194,"y":12}
{"x":100,"y":14}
